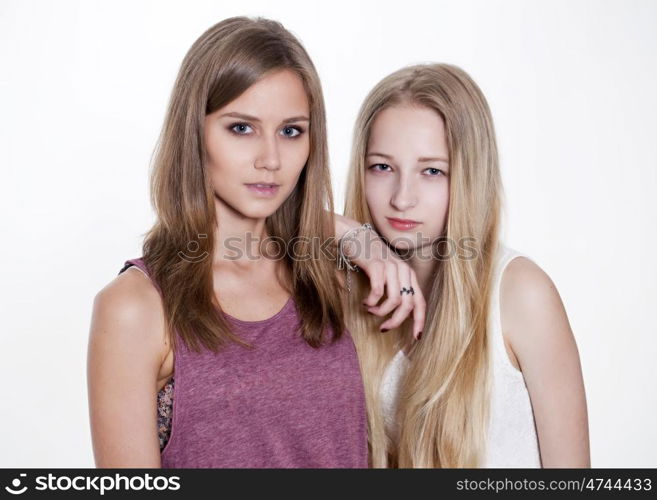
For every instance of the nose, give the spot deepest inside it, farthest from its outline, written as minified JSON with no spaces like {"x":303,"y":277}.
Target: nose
{"x":404,"y":197}
{"x":268,"y":155}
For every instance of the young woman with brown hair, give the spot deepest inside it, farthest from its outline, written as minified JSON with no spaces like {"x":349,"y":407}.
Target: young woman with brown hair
{"x":265,"y":373}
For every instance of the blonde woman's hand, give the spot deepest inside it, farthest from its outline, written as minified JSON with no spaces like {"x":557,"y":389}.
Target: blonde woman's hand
{"x":387,"y":274}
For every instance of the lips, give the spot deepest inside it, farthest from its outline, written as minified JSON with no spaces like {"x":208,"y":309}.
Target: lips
{"x":263,"y":185}
{"x":402,"y":224}
{"x":263,"y":188}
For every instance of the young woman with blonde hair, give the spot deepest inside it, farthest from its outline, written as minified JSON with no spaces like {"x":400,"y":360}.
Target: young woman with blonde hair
{"x":495,"y":380}
{"x":266,"y":375}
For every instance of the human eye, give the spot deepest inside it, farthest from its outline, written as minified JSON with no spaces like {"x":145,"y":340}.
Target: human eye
{"x":376,"y":166}
{"x":435,"y":172}
{"x":292,"y":132}
{"x":240,"y":128}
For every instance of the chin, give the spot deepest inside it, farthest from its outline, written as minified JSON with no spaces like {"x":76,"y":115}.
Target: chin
{"x":396,"y":243}
{"x":258,"y":214}
{"x":251,"y":208}
{"x":261,"y":212}
{"x":404,"y":248}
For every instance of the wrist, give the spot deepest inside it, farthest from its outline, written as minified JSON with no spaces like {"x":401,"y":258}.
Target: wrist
{"x":342,"y":226}
{"x":345,"y":250}
{"x":354,"y":242}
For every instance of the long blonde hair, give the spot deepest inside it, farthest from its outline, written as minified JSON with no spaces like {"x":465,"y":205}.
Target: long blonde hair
{"x":221,"y":64}
{"x":443,"y":409}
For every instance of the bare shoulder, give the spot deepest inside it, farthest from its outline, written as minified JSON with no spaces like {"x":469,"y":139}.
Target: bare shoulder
{"x":535,"y":325}
{"x":532,"y":313}
{"x":132,"y":290}
{"x":130,"y":300}
{"x":129,"y":311}
{"x":527,"y":284}
{"x":125,"y":352}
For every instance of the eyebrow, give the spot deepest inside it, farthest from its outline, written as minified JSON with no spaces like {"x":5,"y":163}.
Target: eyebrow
{"x":242,"y":116}
{"x":423,"y":159}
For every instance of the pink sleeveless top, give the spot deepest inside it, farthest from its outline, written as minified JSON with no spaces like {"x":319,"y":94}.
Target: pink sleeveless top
{"x":280,"y":404}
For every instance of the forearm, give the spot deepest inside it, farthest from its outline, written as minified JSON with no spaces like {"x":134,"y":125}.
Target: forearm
{"x":342,"y":225}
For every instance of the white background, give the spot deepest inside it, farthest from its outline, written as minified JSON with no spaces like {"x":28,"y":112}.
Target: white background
{"x":83,"y":90}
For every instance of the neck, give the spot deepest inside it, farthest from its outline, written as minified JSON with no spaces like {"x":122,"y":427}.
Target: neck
{"x":238,"y":240}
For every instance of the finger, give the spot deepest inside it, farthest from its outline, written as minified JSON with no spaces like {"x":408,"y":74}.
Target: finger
{"x":406,"y":303}
{"x":419,"y":311}
{"x":376,"y":273}
{"x":393,"y":298}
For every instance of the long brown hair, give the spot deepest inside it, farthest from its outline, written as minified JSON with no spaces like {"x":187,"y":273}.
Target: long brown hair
{"x":443,"y":408}
{"x":223,"y":63}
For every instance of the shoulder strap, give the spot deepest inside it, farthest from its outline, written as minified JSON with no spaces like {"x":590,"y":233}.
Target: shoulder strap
{"x":141,"y":265}
{"x":138,"y":262}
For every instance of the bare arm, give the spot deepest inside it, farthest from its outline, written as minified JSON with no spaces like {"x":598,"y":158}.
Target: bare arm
{"x":342,"y":225}
{"x":387,"y":274}
{"x":536,"y":327}
{"x":126,"y":348}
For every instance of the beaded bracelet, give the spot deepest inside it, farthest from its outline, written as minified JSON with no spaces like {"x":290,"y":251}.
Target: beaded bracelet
{"x":343,"y":260}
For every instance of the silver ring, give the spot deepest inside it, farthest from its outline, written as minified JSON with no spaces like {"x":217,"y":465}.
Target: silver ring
{"x":407,"y":290}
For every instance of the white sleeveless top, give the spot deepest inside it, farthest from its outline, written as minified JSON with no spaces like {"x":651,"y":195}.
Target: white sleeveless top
{"x":512,"y":440}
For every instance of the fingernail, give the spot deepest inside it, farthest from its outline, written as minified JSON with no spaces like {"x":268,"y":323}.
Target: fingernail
{"x":384,"y":330}
{"x":419,"y":335}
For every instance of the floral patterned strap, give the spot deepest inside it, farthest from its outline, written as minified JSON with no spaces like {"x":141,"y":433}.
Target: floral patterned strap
{"x":164,"y":412}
